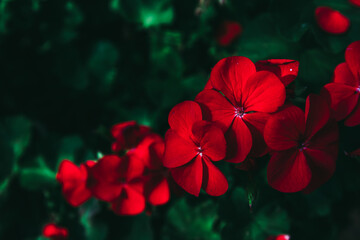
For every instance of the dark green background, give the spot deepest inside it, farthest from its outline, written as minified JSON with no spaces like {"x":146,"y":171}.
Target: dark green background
{"x":69,"y":70}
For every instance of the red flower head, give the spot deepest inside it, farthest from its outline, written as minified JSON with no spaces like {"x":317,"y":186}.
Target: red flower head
{"x":305,"y":146}
{"x":355,"y":2}
{"x":279,"y":237}
{"x":119,"y":181}
{"x":127,"y":135}
{"x":76,"y":181}
{"x":285,"y":69}
{"x":228,"y":31}
{"x":331,"y":21}
{"x":344,"y":91}
{"x":54,"y":232}
{"x":240,"y":99}
{"x":191,"y":145}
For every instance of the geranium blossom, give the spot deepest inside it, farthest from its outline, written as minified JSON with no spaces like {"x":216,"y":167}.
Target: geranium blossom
{"x":76,"y":181}
{"x":305,"y":146}
{"x":191,"y":146}
{"x":239,"y":99}
{"x":119,"y":181}
{"x":355,"y":2}
{"x":344,"y":90}
{"x":331,"y":21}
{"x":54,"y":232}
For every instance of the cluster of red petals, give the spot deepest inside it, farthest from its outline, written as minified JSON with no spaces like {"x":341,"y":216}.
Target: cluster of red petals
{"x":192,"y":145}
{"x":305,"y":146}
{"x":228,"y":31}
{"x":331,"y":21}
{"x":54,"y":232}
{"x":75,"y":181}
{"x":126,"y":181}
{"x":239,"y":99}
{"x":279,"y":237}
{"x":344,"y":90}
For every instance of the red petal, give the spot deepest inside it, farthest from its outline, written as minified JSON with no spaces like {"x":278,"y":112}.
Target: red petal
{"x":211,"y":140}
{"x":317,"y":114}
{"x":217,"y":107}
{"x":263,"y":92}
{"x":331,"y":21}
{"x":288,"y":171}
{"x":157,"y":190}
{"x":354,"y":117}
{"x":228,"y":75}
{"x":285,"y":69}
{"x":284,"y":129}
{"x":178,"y":151}
{"x":322,"y":167}
{"x":130,"y":202}
{"x":256,"y":124}
{"x":326,"y":139}
{"x":183,"y":116}
{"x":189,"y":176}
{"x":214,"y":183}
{"x":355,"y":2}
{"x":73,"y":180}
{"x":352,"y":57}
{"x":107,"y":191}
{"x":342,"y":74}
{"x":228,"y":31}
{"x":51,"y":230}
{"x":343,"y":99}
{"x":239,"y":141}
{"x":156,"y":150}
{"x":141,"y":151}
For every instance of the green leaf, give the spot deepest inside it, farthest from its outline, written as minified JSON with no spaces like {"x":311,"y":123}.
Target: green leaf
{"x":141,"y":228}
{"x":69,"y":147}
{"x":94,"y":229}
{"x":37,"y":178}
{"x":191,"y":222}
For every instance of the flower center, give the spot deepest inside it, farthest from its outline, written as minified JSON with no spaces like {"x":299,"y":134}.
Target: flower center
{"x":200,"y":150}
{"x":302,"y":146}
{"x":239,"y":112}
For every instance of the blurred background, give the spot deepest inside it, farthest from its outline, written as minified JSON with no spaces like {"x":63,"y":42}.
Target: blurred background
{"x":69,"y":70}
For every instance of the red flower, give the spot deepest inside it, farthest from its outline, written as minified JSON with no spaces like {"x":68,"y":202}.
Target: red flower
{"x":279,"y":237}
{"x":240,"y":100}
{"x":228,"y":31}
{"x":190,"y":147}
{"x":355,"y":2}
{"x":118,"y":180}
{"x":127,"y":135}
{"x":285,"y":69}
{"x":344,"y":91}
{"x":331,"y":21}
{"x":75,"y":181}
{"x":54,"y":232}
{"x":305,"y":146}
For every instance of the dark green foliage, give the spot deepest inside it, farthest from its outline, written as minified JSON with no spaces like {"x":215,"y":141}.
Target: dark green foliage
{"x":71,"y":69}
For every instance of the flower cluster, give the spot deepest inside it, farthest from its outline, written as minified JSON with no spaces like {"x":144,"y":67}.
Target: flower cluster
{"x":245,"y":111}
{"x":127,"y":179}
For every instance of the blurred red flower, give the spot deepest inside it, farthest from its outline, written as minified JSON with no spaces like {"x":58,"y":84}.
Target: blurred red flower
{"x":119,"y":181}
{"x":305,"y":146}
{"x":279,"y":237}
{"x":239,"y":99}
{"x":54,"y":232}
{"x":227,"y":32}
{"x":127,"y":135}
{"x":344,"y":90}
{"x":191,"y":145}
{"x":331,"y":21}
{"x":76,"y":181}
